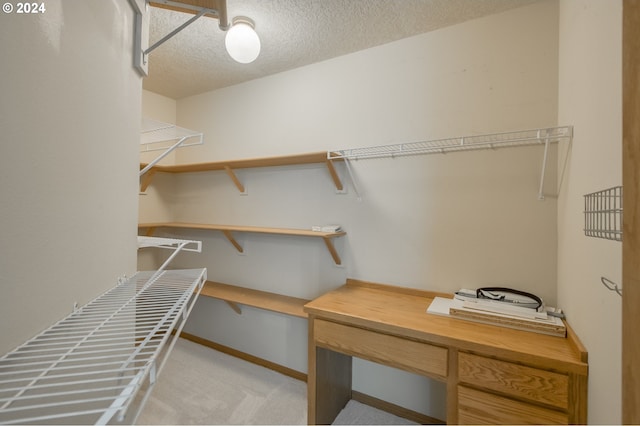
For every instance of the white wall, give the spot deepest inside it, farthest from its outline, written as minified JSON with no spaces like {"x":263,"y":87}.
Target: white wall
{"x":590,"y":98}
{"x":70,"y":118}
{"x":432,"y":222}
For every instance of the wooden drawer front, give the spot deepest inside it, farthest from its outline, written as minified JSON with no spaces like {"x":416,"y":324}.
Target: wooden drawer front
{"x":393,"y":351}
{"x":513,"y":379}
{"x":477,"y":407}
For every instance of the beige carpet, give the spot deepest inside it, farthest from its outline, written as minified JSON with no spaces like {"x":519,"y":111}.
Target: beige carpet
{"x":202,"y":386}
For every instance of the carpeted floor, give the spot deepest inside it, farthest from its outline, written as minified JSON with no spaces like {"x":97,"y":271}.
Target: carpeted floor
{"x":202,"y":386}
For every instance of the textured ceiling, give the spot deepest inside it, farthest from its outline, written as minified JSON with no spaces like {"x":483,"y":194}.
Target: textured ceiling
{"x":293,"y":33}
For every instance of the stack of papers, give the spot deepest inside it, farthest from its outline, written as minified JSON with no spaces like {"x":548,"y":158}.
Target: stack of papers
{"x":486,"y":312}
{"x":327,"y":228}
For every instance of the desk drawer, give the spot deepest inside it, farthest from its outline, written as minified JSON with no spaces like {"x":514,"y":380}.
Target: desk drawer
{"x":515,"y":380}
{"x":476,"y":407}
{"x":385,"y":349}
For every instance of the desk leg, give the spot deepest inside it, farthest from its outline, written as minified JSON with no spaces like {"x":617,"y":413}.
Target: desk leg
{"x":452,"y":387}
{"x":328,"y":381}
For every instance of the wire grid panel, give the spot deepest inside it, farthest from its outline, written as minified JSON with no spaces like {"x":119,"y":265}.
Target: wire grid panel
{"x":89,"y":367}
{"x":603,"y":214}
{"x":169,"y":243}
{"x":156,"y":135}
{"x":466,"y":143}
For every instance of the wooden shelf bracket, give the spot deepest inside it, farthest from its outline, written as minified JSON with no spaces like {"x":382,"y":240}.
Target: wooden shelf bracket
{"x":334,"y":176}
{"x":145,"y":180}
{"x":233,"y":241}
{"x":236,"y":308}
{"x":328,"y":241}
{"x":235,"y":180}
{"x":228,"y":230}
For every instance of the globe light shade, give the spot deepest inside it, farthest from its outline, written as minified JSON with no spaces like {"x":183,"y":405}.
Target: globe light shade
{"x":241,"y":41}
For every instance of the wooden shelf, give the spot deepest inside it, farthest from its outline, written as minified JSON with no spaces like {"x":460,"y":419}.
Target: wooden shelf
{"x":231,"y":165}
{"x":235,"y":295}
{"x":228,"y":230}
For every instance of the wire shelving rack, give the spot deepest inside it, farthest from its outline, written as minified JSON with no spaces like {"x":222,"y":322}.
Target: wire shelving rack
{"x":465,"y":143}
{"x":159,"y":136}
{"x":174,"y":244}
{"x":99,"y":364}
{"x":542,"y":136}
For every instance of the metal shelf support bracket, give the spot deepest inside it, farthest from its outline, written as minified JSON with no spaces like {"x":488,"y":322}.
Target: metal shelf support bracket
{"x":141,"y":51}
{"x":544,"y":167}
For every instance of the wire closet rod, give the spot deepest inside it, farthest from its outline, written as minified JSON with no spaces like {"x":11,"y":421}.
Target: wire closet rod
{"x":540,"y":136}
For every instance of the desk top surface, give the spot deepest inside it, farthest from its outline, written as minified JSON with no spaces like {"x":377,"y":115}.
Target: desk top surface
{"x":402,"y":311}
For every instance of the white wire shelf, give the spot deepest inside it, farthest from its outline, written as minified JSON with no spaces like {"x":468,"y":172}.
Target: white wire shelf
{"x":159,"y":136}
{"x":156,"y":135}
{"x":174,"y":244}
{"x":467,"y":143}
{"x":170,"y":243}
{"x":99,"y":364}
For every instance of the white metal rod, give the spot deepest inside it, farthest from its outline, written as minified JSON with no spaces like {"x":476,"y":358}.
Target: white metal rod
{"x":353,"y":179}
{"x":70,"y":375}
{"x":72,"y":383}
{"x":544,"y":167}
{"x":197,"y":16}
{"x":61,"y":368}
{"x":72,"y":392}
{"x":84,"y":353}
{"x":127,"y":340}
{"x":118,"y":404}
{"x":61,"y":403}
{"x":161,"y":156}
{"x":77,"y":361}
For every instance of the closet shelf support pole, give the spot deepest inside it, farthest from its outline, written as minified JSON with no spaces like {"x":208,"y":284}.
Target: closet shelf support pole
{"x":544,"y":168}
{"x":142,"y":25}
{"x":174,"y":32}
{"x":347,"y":163}
{"x":161,"y":156}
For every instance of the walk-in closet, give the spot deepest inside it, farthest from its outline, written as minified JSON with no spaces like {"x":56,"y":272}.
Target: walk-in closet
{"x":319,"y":212}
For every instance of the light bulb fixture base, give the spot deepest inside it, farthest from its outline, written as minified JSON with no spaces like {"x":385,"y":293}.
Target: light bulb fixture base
{"x":242,"y":41}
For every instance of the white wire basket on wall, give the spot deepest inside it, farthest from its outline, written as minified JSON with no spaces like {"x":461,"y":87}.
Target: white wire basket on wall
{"x":603,"y":214}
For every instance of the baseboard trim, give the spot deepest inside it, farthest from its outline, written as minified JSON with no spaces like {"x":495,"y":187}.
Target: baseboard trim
{"x":394,"y":409}
{"x":245,"y":356}
{"x":355,"y":395}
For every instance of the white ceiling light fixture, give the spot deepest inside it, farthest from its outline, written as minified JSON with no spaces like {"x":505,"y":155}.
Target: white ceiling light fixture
{"x":241,"y":41}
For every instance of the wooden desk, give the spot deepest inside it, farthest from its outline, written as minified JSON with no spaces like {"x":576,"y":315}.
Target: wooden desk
{"x":493,"y":374}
